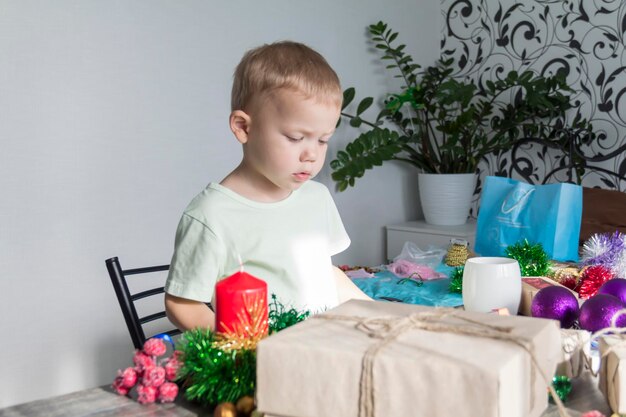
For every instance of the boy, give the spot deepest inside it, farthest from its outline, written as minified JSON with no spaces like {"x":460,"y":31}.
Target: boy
{"x":285,"y":104}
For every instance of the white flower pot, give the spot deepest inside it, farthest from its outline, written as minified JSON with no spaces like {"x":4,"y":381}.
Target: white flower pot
{"x":446,"y":198}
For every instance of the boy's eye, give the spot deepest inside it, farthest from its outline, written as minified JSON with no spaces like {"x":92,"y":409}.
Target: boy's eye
{"x":294,"y":139}
{"x":323,"y":142}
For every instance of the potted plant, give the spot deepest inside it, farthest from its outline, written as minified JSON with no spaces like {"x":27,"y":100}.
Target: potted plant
{"x":445,"y":125}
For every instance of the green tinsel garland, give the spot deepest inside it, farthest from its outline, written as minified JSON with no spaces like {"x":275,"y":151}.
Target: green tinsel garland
{"x":533,"y":260}
{"x":211,"y":375}
{"x":456,"y":280}
{"x":280,"y":317}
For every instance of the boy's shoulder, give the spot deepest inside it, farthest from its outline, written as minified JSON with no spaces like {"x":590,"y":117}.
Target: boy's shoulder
{"x":209,"y":200}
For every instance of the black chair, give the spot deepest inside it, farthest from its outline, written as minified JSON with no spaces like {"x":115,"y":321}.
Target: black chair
{"x":127,"y":300}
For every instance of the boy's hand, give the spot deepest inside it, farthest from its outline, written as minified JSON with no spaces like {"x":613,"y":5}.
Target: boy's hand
{"x":188,"y":314}
{"x":346,"y":290}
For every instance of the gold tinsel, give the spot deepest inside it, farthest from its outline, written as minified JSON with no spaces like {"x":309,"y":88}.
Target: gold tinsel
{"x":568,"y":276}
{"x":457,"y":253}
{"x":251,"y":327}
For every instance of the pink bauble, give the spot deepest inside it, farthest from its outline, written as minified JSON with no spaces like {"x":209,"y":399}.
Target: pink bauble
{"x":615,"y":287}
{"x":557,"y":303}
{"x":598,"y":311}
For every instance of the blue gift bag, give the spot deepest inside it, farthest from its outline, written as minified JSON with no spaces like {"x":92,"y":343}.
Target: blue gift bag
{"x":512,"y":210}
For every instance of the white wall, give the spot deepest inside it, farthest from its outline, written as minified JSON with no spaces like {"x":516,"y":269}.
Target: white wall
{"x":113,"y":115}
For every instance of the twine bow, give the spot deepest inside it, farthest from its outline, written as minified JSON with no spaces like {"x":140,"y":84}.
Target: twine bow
{"x":608,"y":331}
{"x":389,"y":329}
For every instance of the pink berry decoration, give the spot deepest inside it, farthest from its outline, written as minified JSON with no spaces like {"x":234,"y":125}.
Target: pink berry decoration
{"x":128,"y":377}
{"x":154,"y":377}
{"x":154,"y":347}
{"x":171,"y":366}
{"x":151,"y":381}
{"x":168,"y":392}
{"x":143,"y":361}
{"x":594,"y":413}
{"x":119,"y":387}
{"x":146,"y":395}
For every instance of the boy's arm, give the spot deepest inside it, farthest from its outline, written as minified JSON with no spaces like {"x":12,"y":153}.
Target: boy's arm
{"x":346,"y":289}
{"x":188,"y":314}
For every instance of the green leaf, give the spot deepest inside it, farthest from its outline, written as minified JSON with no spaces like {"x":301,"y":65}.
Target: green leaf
{"x":343,"y":157}
{"x":364,"y":105}
{"x":355,"y":122}
{"x":348,"y":96}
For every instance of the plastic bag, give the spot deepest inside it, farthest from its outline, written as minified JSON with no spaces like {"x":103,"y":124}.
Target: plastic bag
{"x":416,"y":263}
{"x":431,"y":257}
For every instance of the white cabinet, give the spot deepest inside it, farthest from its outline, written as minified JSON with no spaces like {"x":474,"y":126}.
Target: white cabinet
{"x":424,"y":235}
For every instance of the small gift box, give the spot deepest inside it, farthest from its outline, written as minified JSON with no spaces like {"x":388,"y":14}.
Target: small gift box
{"x":613,"y":371}
{"x":530,"y":288}
{"x":367,"y":358}
{"x":575,"y":346}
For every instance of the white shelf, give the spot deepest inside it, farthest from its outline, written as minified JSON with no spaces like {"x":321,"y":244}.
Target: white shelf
{"x":424,"y":235}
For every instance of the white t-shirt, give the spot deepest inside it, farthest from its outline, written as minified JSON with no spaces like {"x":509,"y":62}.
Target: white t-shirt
{"x":288,"y":244}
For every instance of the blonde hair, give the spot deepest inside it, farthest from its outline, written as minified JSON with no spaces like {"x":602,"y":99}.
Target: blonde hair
{"x":284,"y":64}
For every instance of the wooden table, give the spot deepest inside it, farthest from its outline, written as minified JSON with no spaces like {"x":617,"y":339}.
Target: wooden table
{"x":103,"y":402}
{"x":585,"y":396}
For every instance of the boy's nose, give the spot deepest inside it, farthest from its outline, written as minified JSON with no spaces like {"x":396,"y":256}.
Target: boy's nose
{"x":309,"y":154}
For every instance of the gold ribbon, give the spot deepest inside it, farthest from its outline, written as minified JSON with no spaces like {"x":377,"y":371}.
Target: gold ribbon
{"x":389,"y":329}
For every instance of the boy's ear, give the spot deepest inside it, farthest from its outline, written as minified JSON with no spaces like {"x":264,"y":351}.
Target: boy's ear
{"x":240,"y":124}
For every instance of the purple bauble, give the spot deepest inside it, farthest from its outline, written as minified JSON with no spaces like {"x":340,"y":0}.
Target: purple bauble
{"x":557,"y":303}
{"x":597,"y":312}
{"x":615,"y":287}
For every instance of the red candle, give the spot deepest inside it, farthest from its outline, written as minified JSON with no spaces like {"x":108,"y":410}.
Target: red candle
{"x":241,"y":306}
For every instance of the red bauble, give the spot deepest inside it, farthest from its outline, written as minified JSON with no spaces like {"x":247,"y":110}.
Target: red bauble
{"x":592,"y":279}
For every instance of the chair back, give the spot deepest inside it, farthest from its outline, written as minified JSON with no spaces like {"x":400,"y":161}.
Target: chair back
{"x":126,"y":299}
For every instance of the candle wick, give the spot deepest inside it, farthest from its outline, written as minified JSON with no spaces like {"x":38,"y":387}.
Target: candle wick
{"x":240,"y":263}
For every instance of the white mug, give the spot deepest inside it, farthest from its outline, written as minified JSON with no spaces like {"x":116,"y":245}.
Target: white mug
{"x":490,"y":283}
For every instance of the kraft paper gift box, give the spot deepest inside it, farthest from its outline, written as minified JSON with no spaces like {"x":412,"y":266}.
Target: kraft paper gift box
{"x":613,"y":371}
{"x":575,"y":346}
{"x":331,"y":364}
{"x":530,"y":287}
